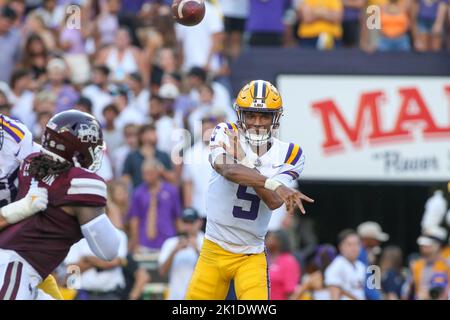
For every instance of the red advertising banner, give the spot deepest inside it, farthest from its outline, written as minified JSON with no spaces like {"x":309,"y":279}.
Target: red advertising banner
{"x":369,"y":127}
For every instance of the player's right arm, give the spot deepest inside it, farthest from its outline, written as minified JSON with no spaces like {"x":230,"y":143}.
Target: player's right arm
{"x":228,"y":167}
{"x":35,"y":200}
{"x":85,"y":199}
{"x":242,"y":175}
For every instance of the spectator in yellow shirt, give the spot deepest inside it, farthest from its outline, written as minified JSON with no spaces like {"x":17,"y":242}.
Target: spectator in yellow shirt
{"x":430,"y":262}
{"x":320,"y":25}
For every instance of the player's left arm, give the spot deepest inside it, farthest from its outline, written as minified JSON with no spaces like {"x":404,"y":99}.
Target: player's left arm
{"x":288,"y":174}
{"x":243,"y":175}
{"x":103,"y":238}
{"x":270,"y":198}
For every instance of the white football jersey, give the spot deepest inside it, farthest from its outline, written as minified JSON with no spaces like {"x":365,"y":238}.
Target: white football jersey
{"x":17,"y":145}
{"x":237,"y":219}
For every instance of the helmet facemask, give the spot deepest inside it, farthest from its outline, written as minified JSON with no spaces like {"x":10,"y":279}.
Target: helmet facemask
{"x":97,"y":158}
{"x":259,"y":96}
{"x":251,"y":136}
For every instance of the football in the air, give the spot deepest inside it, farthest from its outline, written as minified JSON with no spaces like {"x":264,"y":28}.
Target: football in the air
{"x":188,"y":12}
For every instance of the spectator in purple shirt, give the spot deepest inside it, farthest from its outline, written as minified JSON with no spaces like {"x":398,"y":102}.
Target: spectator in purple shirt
{"x":351,"y":22}
{"x":155,"y":210}
{"x":265,"y":22}
{"x":429,"y":18}
{"x":135,"y":6}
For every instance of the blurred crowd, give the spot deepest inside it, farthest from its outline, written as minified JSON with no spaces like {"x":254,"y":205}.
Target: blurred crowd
{"x":158,"y":89}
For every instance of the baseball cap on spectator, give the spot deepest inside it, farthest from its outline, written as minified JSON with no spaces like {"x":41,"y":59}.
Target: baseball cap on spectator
{"x":168,"y":91}
{"x":432,"y":235}
{"x":189,"y":215}
{"x":198,"y":72}
{"x":8,"y":12}
{"x":372,"y":230}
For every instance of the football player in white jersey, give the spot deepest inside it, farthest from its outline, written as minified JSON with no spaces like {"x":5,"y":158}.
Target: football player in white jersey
{"x":16,"y":143}
{"x":251,"y":177}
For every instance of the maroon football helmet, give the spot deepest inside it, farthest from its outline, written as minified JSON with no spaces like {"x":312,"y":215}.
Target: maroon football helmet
{"x":76,"y":137}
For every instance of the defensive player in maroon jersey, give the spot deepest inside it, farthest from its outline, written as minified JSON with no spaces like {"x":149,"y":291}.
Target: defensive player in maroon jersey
{"x":72,"y":147}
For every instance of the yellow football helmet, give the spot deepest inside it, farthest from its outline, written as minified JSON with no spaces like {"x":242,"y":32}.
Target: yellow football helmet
{"x":259,"y":96}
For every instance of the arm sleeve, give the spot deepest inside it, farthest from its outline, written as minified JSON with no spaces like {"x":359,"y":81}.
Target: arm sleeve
{"x":103,"y":238}
{"x":288,"y":173}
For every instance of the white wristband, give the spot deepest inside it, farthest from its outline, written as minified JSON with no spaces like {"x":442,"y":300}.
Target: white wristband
{"x":35,"y":200}
{"x":271,"y":184}
{"x":16,"y":211}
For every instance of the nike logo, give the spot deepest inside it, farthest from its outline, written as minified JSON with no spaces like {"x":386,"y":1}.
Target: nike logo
{"x":274,"y":166}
